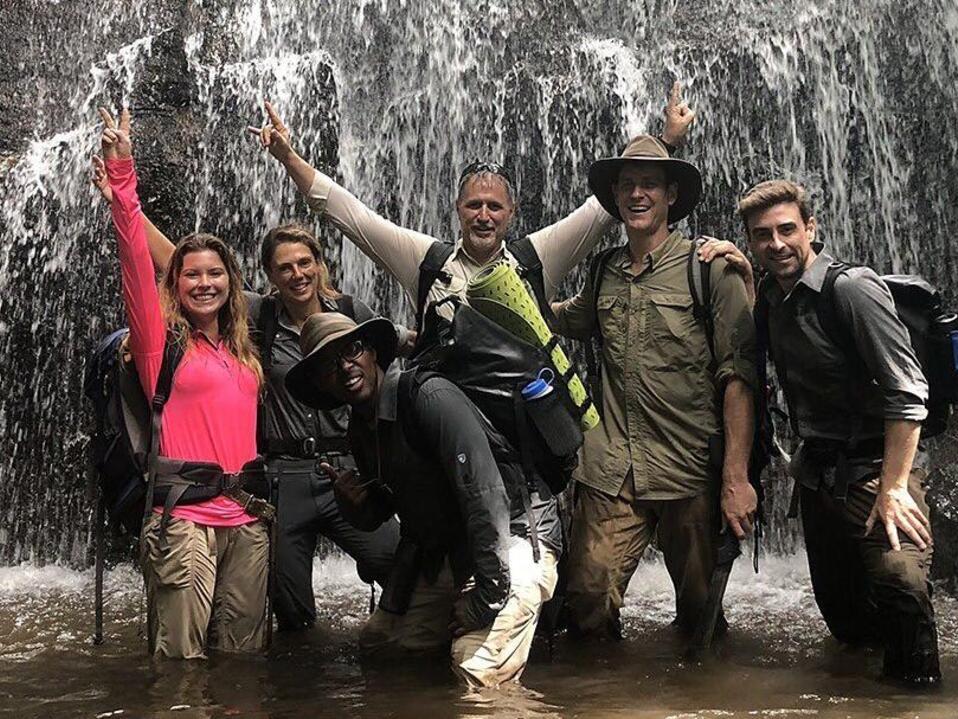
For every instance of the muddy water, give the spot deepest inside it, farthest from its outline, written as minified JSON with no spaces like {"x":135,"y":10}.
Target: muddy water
{"x":777,"y":661}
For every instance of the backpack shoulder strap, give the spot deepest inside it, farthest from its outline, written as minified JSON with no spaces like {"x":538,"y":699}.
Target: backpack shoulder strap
{"x":530,"y":269}
{"x":832,"y":325}
{"x":594,"y":282}
{"x":346,"y":306}
{"x":172,"y":355}
{"x":266,"y":325}
{"x":700,"y":288}
{"x":430,"y":270}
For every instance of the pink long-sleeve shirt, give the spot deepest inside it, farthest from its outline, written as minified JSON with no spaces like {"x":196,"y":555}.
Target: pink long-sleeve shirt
{"x":210,"y":415}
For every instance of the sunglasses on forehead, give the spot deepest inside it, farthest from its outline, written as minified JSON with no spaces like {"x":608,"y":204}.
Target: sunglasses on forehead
{"x":474,"y":168}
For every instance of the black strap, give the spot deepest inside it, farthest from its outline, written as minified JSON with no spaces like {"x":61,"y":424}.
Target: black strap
{"x":530,"y":269}
{"x":527,"y":487}
{"x":594,"y":279}
{"x":835,"y":330}
{"x":346,"y":306}
{"x":700,"y":288}
{"x":267,"y":324}
{"x":430,"y":270}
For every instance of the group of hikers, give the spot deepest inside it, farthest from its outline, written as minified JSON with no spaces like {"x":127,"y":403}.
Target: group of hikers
{"x":292,"y":414}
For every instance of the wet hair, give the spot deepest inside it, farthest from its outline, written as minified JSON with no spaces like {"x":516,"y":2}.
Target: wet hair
{"x":480,"y":169}
{"x":297,"y":233}
{"x":770,"y":193}
{"x":233,"y":315}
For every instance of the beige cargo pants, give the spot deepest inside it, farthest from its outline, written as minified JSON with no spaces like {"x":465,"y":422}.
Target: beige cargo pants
{"x":483,"y":658}
{"x":205,"y":587}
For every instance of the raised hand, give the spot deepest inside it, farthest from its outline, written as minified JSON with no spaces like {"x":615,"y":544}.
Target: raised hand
{"x":115,"y":140}
{"x":678,"y":117}
{"x":274,"y":135}
{"x":99,"y":179}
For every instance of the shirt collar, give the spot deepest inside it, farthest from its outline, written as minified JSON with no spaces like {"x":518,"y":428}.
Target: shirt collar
{"x":286,"y":322}
{"x":813,"y":278}
{"x":460,"y":248}
{"x":624,"y":260}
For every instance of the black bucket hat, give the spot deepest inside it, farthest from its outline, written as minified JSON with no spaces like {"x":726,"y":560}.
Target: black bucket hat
{"x":645,"y":148}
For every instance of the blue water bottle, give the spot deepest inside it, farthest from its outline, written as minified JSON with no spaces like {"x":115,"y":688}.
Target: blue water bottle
{"x":540,"y":386}
{"x":954,"y":349}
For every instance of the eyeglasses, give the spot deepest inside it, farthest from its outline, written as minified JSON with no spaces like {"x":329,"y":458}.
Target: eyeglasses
{"x":474,"y":168}
{"x":349,"y":353}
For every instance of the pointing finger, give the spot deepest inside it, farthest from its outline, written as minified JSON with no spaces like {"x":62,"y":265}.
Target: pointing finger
{"x":253,"y":130}
{"x":273,"y":117}
{"x":125,"y":120}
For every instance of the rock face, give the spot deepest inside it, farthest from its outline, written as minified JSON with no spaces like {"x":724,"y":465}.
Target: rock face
{"x":392,"y":99}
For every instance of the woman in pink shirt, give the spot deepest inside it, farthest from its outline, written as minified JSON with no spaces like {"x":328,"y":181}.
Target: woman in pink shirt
{"x":206,"y":564}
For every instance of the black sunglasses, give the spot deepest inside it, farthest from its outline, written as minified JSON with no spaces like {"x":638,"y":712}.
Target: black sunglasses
{"x":474,"y":168}
{"x":350,"y":353}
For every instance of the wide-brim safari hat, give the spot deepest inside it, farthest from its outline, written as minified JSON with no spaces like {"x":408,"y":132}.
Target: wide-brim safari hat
{"x":645,"y":148}
{"x":325,"y":329}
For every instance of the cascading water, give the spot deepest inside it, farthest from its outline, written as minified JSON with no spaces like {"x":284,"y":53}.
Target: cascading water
{"x":857,"y":99}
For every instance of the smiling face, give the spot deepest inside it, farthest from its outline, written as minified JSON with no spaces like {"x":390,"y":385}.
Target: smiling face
{"x":295,"y":273}
{"x":782,"y":241}
{"x":643,"y":196}
{"x":485,"y":211}
{"x":202,"y":286}
{"x":348,"y":371}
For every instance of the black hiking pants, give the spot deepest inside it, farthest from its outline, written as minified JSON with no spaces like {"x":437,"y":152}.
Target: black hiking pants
{"x":306,"y":510}
{"x":868,"y":592}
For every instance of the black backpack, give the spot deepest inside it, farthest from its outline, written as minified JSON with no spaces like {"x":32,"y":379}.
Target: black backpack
{"x":120,"y":444}
{"x":933,"y":332}
{"x":529,"y":268}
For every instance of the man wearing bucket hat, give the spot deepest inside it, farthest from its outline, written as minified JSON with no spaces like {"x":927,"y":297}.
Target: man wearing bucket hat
{"x":672,"y":393}
{"x":465,"y":569}
{"x":486,"y":206}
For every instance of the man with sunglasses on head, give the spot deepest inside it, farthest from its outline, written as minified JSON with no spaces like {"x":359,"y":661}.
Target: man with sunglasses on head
{"x":486,"y":204}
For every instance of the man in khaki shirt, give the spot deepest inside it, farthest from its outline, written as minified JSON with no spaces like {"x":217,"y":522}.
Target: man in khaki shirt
{"x":485,"y":204}
{"x":665,"y":399}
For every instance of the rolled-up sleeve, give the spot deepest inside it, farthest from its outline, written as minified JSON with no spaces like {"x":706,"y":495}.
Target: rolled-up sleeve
{"x":865,"y":304}
{"x":734,"y":336}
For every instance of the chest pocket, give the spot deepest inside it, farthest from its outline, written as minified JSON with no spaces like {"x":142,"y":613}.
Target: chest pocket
{"x":613,"y":322}
{"x":673,"y":330}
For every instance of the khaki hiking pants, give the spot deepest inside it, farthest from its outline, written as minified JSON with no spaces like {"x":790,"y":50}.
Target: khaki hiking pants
{"x":486,"y":657}
{"x":205,"y":587}
{"x":609,"y":535}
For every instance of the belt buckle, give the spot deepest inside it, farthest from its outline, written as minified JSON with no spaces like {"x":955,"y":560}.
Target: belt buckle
{"x":309,"y":447}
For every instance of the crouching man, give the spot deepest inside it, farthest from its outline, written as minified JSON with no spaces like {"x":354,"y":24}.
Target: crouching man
{"x":465,"y":569}
{"x":856,"y":397}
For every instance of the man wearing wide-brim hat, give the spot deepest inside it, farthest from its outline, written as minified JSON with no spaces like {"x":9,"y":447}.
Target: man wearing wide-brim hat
{"x":465,"y":572}
{"x":666,"y":397}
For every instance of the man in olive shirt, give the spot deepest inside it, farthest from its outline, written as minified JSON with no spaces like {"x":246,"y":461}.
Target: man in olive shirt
{"x":645,"y":470}
{"x":858,"y":411}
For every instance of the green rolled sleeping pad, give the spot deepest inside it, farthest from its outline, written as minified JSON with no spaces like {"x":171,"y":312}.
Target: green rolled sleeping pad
{"x":499,"y":294}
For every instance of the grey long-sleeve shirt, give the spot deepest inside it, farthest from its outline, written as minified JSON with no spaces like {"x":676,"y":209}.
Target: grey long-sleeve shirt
{"x":829,"y":396}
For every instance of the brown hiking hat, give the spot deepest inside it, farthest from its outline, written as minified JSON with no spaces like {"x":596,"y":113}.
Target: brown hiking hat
{"x":645,"y":148}
{"x":324,"y":330}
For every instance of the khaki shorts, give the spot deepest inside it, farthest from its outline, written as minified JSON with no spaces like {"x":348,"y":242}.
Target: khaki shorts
{"x":205,"y":587}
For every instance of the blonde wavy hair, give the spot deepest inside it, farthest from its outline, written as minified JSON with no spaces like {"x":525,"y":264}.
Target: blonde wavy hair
{"x":233,"y":315}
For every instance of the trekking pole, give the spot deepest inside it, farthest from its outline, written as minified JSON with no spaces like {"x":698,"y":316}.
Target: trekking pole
{"x":98,"y":571}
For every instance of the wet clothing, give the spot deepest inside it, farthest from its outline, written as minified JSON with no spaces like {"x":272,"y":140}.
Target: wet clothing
{"x":560,"y":246}
{"x":865,"y":590}
{"x":829,"y":396}
{"x":456,"y":513}
{"x":206,"y":587}
{"x":484,"y":657}
{"x":609,"y":535}
{"x":210,"y":415}
{"x":306,"y":510}
{"x":661,"y":396}
{"x":296,"y":439}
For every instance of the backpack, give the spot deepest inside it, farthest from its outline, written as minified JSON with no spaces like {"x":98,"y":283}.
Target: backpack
{"x":120,"y":444}
{"x":700,"y":289}
{"x":529,"y":268}
{"x":511,"y":463}
{"x":932,"y":330}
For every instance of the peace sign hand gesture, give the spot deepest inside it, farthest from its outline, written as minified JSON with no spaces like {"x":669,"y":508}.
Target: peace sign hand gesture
{"x":273,"y":136}
{"x":116,"y":140}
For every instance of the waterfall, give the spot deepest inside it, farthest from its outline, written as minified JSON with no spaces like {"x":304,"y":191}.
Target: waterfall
{"x":392,"y":98}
